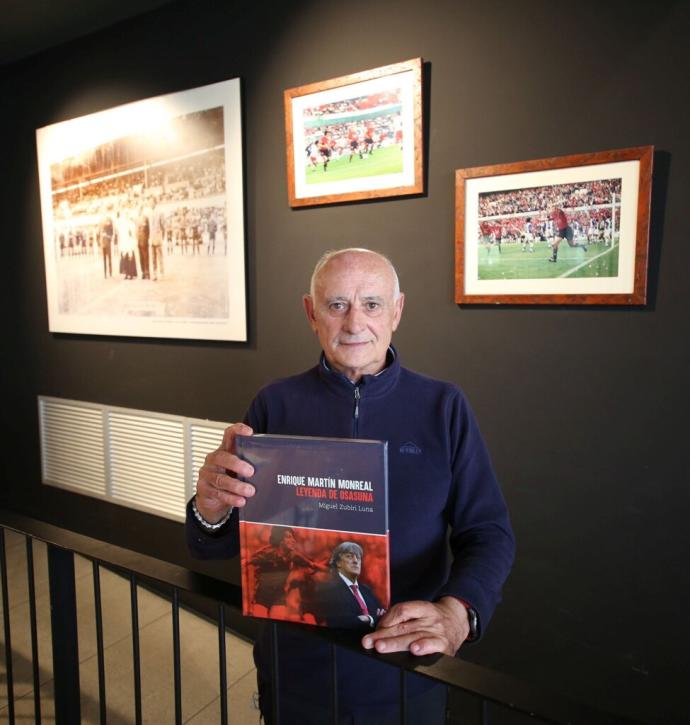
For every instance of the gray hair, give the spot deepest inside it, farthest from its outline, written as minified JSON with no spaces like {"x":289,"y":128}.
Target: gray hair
{"x":332,"y":253}
{"x":347,"y":547}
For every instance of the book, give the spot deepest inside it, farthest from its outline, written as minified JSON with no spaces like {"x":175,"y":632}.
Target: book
{"x":317,"y":523}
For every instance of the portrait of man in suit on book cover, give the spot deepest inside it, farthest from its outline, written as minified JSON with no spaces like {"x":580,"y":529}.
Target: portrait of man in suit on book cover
{"x":343,"y":601}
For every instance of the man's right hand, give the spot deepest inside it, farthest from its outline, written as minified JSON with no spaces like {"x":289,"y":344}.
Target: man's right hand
{"x":218,"y":489}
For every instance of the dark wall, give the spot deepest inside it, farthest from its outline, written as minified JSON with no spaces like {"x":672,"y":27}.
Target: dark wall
{"x":584,"y":409}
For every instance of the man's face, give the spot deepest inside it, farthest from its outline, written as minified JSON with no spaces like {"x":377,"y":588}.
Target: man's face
{"x":349,"y":564}
{"x":289,"y":540}
{"x":354,"y":313}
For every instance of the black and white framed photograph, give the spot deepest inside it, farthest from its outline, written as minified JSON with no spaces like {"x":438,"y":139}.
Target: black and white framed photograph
{"x":143,"y":218}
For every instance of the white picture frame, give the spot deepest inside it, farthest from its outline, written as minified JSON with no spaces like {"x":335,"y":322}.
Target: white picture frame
{"x":174,"y":163}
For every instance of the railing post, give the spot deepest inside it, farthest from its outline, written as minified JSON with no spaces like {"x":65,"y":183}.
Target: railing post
{"x":485,"y":712}
{"x":275,"y":671}
{"x":136,"y":656}
{"x":34,"y":629}
{"x":403,"y":697}
{"x":177,"y":670}
{"x":8,"y":629}
{"x":222,"y":665}
{"x":99,"y":641}
{"x":63,"y":618}
{"x":334,"y":684}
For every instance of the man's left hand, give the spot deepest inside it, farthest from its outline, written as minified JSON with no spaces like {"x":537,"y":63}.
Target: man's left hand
{"x":421,"y":628}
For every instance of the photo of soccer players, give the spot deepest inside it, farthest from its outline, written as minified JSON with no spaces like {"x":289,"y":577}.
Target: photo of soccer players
{"x":355,"y":137}
{"x":354,"y":129}
{"x":569,"y":230}
{"x":141,"y":219}
{"x":524,"y":221}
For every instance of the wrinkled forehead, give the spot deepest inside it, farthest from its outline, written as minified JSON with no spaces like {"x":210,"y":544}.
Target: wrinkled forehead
{"x":355,"y":275}
{"x":350,"y":555}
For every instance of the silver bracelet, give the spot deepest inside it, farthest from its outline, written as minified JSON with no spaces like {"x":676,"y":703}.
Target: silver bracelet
{"x":205,"y":524}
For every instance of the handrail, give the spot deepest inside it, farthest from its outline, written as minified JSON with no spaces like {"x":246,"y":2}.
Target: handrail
{"x":125,"y":559}
{"x":487,"y":684}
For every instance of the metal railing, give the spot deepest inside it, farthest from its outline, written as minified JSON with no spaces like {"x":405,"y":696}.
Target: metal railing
{"x":492,"y":692}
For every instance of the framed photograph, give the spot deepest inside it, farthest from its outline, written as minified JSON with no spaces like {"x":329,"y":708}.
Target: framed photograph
{"x":356,"y":137}
{"x":143,"y":218}
{"x":569,"y":230}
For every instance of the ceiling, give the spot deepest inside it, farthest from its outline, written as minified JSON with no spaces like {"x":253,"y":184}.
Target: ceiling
{"x":30,"y":26}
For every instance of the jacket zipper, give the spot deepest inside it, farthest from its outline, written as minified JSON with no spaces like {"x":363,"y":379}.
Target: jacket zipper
{"x":355,"y":423}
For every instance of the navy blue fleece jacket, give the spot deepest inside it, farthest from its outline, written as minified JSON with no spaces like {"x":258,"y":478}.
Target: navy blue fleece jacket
{"x":440,"y":482}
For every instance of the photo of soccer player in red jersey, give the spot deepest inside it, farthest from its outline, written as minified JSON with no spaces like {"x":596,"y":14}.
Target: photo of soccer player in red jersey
{"x":568,"y":230}
{"x":357,"y":124}
{"x":538,"y":219}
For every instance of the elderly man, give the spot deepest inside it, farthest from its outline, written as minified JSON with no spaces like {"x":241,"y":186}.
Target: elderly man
{"x":451,"y":544}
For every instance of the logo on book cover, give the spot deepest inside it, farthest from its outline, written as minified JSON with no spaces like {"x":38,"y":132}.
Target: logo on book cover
{"x":411,"y":448}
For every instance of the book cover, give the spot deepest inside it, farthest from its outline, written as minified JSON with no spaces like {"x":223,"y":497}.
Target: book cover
{"x":317,"y":524}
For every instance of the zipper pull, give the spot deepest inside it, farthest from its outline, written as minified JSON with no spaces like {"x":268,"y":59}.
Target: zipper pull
{"x":356,"y":403}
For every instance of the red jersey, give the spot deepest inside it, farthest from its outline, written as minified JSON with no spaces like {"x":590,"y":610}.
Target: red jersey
{"x":559,"y":217}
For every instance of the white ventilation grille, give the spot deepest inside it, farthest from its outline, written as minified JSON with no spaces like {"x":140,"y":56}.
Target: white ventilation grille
{"x":203,"y":439}
{"x":147,"y":462}
{"x":135,"y":458}
{"x":72,"y":446}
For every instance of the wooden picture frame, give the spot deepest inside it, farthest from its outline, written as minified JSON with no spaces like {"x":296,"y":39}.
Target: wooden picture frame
{"x":143,"y":218}
{"x":356,"y":137}
{"x":592,"y":208}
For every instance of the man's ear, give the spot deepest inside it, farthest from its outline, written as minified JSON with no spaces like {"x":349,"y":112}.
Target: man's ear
{"x":308,"y":303}
{"x":398,"y":310}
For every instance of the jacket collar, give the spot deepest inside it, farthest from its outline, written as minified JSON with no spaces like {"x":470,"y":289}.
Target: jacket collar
{"x":370,"y":386}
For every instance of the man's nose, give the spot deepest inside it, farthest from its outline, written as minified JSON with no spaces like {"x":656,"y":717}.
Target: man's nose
{"x":354,"y":320}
